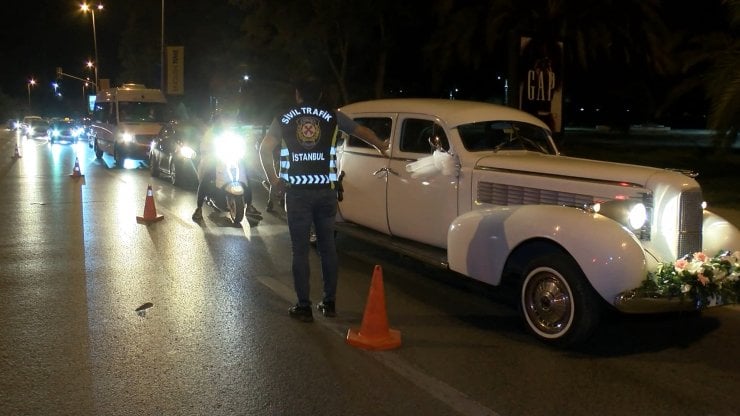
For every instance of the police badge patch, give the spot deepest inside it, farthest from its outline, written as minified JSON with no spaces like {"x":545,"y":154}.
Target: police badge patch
{"x":308,"y":131}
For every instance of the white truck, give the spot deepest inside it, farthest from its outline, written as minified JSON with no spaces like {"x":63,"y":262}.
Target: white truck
{"x":125,"y":120}
{"x":482,"y":190}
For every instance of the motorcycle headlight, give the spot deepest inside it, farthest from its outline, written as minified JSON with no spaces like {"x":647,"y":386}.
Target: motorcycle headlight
{"x":187,"y":152}
{"x":55,"y":133}
{"x":127,"y":137}
{"x":230,"y":145}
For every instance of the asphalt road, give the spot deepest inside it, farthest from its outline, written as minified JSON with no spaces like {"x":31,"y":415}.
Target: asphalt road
{"x":214,"y":337}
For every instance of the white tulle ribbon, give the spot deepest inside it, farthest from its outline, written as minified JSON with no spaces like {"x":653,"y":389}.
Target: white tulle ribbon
{"x":434,"y":164}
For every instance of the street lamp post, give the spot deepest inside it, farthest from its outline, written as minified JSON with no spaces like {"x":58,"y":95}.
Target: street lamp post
{"x":86,"y":8}
{"x":161,"y":52}
{"x":30,"y":84}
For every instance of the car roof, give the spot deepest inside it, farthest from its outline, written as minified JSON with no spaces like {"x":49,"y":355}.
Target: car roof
{"x":453,"y":112}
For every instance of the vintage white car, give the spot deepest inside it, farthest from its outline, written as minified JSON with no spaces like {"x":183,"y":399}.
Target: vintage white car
{"x":483,"y":190}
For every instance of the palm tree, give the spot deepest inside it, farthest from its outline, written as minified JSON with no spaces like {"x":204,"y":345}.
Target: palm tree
{"x":710,"y":66}
{"x":723,"y":81}
{"x":602,"y":38}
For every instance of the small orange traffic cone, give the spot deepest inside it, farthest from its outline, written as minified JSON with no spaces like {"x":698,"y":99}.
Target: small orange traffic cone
{"x":150,"y":211}
{"x":76,"y":170}
{"x":374,"y":333}
{"x":17,"y":153}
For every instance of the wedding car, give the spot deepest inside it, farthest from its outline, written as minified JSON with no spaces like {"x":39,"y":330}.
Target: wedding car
{"x":483,"y":190}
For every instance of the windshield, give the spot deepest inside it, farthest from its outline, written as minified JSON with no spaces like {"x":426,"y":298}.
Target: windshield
{"x":505,"y":135}
{"x":141,"y":112}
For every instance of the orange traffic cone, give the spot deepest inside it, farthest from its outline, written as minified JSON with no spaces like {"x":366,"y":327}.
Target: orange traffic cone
{"x":150,"y":211}
{"x":76,"y":170}
{"x":374,"y":333}
{"x":17,"y":153}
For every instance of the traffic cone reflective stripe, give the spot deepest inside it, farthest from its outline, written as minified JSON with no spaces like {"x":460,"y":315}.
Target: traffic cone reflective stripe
{"x":76,"y":173}
{"x":150,"y":211}
{"x":374,"y":333}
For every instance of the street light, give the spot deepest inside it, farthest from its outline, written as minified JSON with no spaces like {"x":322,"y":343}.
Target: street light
{"x":30,"y":84}
{"x":92,"y":67}
{"x":86,"y":8}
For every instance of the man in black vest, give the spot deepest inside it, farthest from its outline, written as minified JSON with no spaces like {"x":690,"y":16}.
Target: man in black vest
{"x":307,"y":135}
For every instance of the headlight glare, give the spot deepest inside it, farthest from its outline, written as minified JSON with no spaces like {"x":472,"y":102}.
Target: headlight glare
{"x":187,"y":152}
{"x":230,"y":146}
{"x":637,"y":216}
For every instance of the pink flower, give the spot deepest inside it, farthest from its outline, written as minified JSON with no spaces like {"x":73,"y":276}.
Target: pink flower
{"x":700,"y":257}
{"x":702,"y":279}
{"x":680,"y":264}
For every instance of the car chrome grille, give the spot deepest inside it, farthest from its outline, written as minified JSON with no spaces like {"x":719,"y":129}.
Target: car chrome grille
{"x":501,"y":194}
{"x":690,"y":223}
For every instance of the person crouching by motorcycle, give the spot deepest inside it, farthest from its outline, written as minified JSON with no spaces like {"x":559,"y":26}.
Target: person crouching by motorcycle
{"x":207,"y":166}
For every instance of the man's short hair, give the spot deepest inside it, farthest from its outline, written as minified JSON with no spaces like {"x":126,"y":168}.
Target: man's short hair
{"x":310,"y":89}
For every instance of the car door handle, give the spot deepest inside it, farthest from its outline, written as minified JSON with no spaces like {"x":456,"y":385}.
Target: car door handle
{"x":384,"y":172}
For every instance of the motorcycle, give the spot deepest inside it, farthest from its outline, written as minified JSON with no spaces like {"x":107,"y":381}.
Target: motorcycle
{"x":230,"y":191}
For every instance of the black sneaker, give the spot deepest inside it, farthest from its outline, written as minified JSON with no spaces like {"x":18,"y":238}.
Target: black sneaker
{"x":251,"y":210}
{"x":327,"y":308}
{"x":301,"y":313}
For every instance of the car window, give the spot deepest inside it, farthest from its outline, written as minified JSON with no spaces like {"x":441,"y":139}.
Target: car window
{"x":497,"y":135}
{"x":416,"y":134}
{"x":380,"y":125}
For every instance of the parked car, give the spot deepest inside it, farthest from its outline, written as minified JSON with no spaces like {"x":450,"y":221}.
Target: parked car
{"x":482,"y":190}
{"x":64,"y":130}
{"x":174,"y":153}
{"x":35,"y":127}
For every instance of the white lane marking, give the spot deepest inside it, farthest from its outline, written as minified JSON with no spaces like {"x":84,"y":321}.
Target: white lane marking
{"x":440,"y":390}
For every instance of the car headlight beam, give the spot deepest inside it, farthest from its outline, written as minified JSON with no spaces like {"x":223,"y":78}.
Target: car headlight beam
{"x":633,"y":214}
{"x":187,"y":152}
{"x":637,"y":216}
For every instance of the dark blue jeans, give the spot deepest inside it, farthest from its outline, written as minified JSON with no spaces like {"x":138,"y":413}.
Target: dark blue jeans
{"x":318,"y":207}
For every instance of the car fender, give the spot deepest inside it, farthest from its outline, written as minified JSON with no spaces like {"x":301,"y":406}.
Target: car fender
{"x":480,"y":242}
{"x":718,"y":234}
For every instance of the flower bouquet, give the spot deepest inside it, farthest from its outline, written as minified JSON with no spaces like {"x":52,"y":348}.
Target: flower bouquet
{"x":701,"y":279}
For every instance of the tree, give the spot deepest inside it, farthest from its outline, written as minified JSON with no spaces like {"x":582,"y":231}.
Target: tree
{"x":723,"y":87}
{"x":710,"y":56}
{"x":350,"y":41}
{"x":606,"y":43}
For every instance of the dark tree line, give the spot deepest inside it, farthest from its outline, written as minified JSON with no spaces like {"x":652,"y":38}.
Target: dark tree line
{"x":651,"y":56}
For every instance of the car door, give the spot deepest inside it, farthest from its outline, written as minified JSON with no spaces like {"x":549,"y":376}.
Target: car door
{"x":365,"y":172}
{"x":422,"y":208}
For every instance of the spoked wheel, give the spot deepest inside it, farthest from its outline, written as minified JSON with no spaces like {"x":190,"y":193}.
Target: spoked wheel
{"x":235,"y":204}
{"x":556,"y":302}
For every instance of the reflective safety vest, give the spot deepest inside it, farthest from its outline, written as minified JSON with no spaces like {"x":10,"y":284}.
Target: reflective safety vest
{"x":308,"y":151}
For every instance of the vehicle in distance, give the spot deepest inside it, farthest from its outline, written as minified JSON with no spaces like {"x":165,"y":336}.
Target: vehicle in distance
{"x":483,"y":190}
{"x":125,"y":120}
{"x":64,"y":130}
{"x":35,"y":127}
{"x":174,"y":152}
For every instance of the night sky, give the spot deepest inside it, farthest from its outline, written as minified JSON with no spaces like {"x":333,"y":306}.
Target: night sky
{"x":40,"y":35}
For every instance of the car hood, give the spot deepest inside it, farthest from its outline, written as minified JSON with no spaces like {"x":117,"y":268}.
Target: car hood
{"x":568,"y":167}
